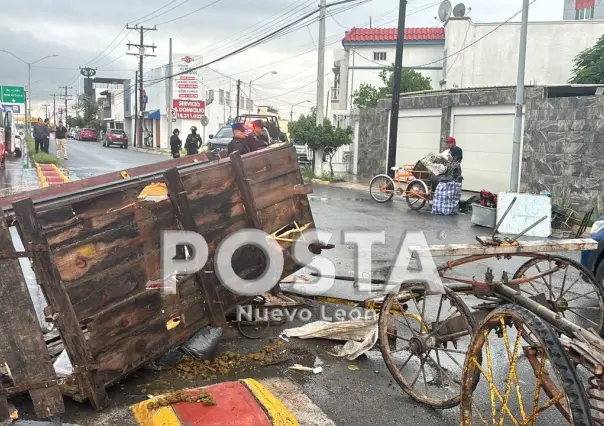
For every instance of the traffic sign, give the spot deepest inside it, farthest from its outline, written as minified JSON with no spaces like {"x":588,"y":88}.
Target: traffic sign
{"x":204,"y":121}
{"x":12,"y":94}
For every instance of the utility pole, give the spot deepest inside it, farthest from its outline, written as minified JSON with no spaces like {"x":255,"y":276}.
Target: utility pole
{"x":515,"y":173}
{"x":321,"y":67}
{"x":65,"y":97}
{"x":396,"y":90}
{"x":238,"y":95}
{"x":170,"y":91}
{"x":141,"y":55}
{"x":317,"y":156}
{"x":135,"y":108}
{"x":45,"y":110}
{"x":54,"y":107}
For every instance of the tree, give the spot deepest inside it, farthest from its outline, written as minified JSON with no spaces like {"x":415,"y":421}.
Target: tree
{"x":88,"y":106}
{"x":589,"y":65}
{"x":411,"y":81}
{"x":324,"y":137}
{"x":272,"y":109}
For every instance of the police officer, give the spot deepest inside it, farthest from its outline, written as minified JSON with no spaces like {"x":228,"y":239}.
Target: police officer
{"x":239,"y":141}
{"x":193,"y":142}
{"x":175,"y":144}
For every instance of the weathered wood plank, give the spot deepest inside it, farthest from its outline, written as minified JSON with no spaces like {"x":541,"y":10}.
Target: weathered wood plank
{"x":274,"y":191}
{"x":245,"y":190}
{"x":542,"y":246}
{"x":22,"y":345}
{"x":261,"y":166}
{"x":67,"y":323}
{"x":182,"y":208}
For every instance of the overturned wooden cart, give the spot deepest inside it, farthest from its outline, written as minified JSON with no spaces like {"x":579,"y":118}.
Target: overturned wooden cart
{"x":95,"y":249}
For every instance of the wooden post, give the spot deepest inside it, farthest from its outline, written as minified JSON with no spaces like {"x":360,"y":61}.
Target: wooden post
{"x":180,"y":201}
{"x":248,"y":200}
{"x":22,"y":345}
{"x":59,"y":305}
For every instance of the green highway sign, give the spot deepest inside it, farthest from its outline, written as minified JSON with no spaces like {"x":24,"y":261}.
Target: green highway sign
{"x":12,"y":94}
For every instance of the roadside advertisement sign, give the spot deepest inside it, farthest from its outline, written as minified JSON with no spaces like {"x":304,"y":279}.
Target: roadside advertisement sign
{"x":186,"y":85}
{"x":188,"y":109}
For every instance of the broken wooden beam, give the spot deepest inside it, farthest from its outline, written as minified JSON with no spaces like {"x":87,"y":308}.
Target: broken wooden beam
{"x":49,"y":279}
{"x":182,"y":208}
{"x":22,"y":345}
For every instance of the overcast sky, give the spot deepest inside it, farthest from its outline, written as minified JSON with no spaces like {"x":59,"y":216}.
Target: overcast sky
{"x":84,"y":33}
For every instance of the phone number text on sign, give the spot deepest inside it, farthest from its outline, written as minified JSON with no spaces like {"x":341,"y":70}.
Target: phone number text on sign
{"x":189,"y":109}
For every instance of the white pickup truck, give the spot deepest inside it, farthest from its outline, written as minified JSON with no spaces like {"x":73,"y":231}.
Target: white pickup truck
{"x":303,"y":153}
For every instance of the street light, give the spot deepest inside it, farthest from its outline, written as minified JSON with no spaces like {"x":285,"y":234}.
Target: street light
{"x":251,"y":81}
{"x":291,"y":114}
{"x":28,"y":100}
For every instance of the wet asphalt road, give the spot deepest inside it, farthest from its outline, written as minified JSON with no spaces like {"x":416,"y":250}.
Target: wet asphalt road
{"x":356,"y":398}
{"x":86,"y":159}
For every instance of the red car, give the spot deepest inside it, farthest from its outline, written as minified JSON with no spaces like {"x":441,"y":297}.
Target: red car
{"x":88,"y":135}
{"x":116,"y":137}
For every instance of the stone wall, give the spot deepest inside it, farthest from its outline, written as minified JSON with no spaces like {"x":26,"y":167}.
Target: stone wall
{"x":373,"y":141}
{"x":563,"y":150}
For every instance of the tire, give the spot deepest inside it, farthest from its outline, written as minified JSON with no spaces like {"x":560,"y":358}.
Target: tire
{"x":378,"y":185}
{"x":429,"y":398}
{"x":417,"y":187}
{"x":571,"y":387}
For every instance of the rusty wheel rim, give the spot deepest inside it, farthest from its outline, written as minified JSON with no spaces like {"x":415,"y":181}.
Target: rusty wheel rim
{"x":424,"y":359}
{"x":526,"y":378}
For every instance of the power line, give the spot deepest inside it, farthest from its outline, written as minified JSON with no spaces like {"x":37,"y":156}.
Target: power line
{"x":164,"y":12}
{"x":155,"y":11}
{"x":190,"y":13}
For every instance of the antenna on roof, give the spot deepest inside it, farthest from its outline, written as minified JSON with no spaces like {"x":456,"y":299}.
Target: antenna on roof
{"x":444,"y":11}
{"x":370,"y":22}
{"x":459,"y":11}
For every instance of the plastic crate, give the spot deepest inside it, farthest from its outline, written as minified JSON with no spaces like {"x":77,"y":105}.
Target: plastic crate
{"x":484,"y":216}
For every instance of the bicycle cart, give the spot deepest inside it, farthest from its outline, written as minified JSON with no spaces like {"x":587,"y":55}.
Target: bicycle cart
{"x":415,"y":185}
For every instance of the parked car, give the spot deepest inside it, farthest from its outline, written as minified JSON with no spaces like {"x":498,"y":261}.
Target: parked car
{"x":221,"y":140}
{"x":116,"y":137}
{"x":302,"y":152}
{"x":594,"y":259}
{"x":72,"y":133}
{"x":87,"y":135}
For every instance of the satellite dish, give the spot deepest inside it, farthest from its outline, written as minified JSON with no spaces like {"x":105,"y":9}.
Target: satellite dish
{"x":459,"y":11}
{"x":444,"y":11}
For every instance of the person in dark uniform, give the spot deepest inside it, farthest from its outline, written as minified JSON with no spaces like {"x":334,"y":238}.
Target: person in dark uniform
{"x":175,"y":144}
{"x":261,"y":134}
{"x":240,"y":141}
{"x":193,"y":142}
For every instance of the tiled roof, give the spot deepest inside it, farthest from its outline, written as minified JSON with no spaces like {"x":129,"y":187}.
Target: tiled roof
{"x":390,"y":34}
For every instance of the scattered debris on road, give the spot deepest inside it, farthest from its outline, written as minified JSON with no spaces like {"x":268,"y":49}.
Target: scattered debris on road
{"x":180,"y":396}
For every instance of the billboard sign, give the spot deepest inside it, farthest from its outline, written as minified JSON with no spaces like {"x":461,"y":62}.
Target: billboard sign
{"x":186,"y":85}
{"x":188,"y":109}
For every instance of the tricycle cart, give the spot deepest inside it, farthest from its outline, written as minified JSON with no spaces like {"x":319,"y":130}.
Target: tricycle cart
{"x":415,"y":185}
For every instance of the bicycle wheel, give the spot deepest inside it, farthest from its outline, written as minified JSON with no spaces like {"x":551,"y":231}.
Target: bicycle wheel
{"x":382,"y":188}
{"x":417,"y":194}
{"x":523,"y":383}
{"x":423,"y":339}
{"x":571,"y":290}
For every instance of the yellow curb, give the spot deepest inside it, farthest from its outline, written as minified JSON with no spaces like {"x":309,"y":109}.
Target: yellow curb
{"x":274,"y":408}
{"x":320,"y":182}
{"x":164,"y":416}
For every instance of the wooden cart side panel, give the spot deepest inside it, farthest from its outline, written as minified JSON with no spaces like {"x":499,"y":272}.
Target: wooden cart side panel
{"x":65,"y":318}
{"x":22,"y":345}
{"x":182,"y":209}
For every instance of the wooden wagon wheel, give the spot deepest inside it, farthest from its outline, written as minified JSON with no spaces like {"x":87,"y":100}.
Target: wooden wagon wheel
{"x":424,"y":338}
{"x":571,"y":290}
{"x":523,"y":381}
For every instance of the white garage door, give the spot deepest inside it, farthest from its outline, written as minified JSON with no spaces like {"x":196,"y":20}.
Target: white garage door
{"x":486,"y":141}
{"x":417,"y":137}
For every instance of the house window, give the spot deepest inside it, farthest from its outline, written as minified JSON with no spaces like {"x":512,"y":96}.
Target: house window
{"x":584,"y":13}
{"x":379,"y":56}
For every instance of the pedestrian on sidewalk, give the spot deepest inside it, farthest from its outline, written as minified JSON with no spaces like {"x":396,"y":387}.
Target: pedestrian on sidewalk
{"x":175,"y":144}
{"x":61,"y":140}
{"x":193,"y":142}
{"x":46,"y":129}
{"x":39,"y":135}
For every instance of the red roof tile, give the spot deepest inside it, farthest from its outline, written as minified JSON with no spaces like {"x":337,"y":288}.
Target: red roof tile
{"x":390,"y":34}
